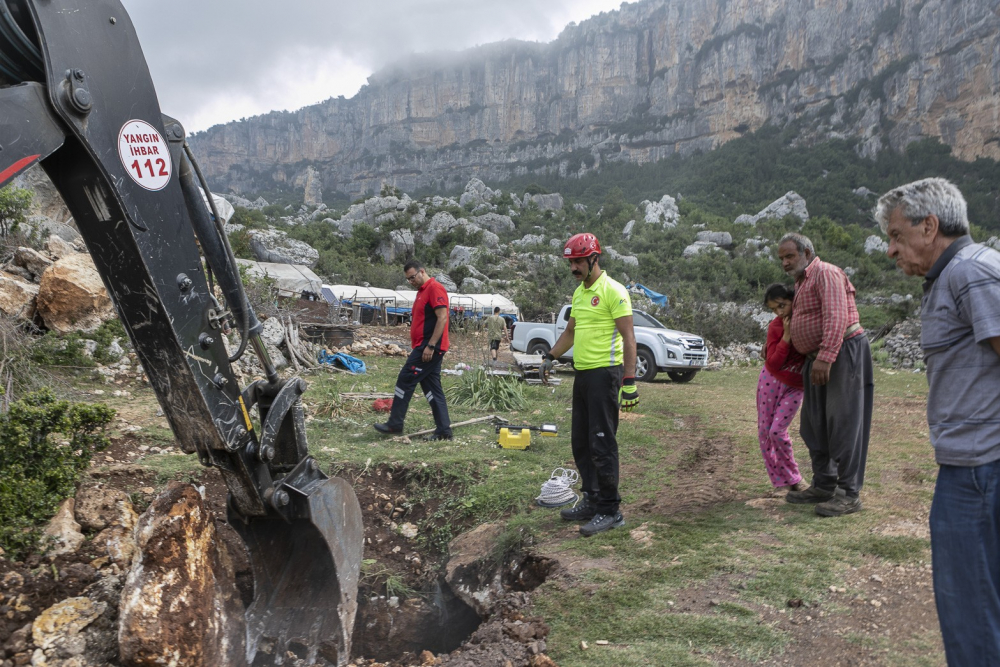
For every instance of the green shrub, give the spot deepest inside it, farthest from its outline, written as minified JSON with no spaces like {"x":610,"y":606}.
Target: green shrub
{"x":14,"y":203}
{"x":62,"y":350}
{"x":45,"y":444}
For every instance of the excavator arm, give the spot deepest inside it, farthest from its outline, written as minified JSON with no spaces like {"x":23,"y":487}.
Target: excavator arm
{"x":76,"y":97}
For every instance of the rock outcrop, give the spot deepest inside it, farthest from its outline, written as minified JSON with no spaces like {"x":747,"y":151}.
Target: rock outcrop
{"x":71,"y":296}
{"x":180,"y":604}
{"x":273,"y":245}
{"x":654,"y":78}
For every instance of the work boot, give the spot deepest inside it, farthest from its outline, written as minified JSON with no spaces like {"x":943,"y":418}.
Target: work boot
{"x":810,"y":495}
{"x":839,"y":506}
{"x":582,"y":511}
{"x":386,"y":429}
{"x":601,"y":523}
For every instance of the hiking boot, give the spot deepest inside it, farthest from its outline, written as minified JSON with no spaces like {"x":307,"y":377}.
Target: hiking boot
{"x":839,"y":506}
{"x":386,"y":429}
{"x":601,"y":523}
{"x":810,"y":495}
{"x":582,"y":511}
{"x":438,"y":436}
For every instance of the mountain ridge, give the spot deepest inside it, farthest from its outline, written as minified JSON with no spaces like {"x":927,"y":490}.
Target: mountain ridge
{"x":639,"y":84}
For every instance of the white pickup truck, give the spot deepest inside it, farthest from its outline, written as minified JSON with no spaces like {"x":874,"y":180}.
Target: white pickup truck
{"x":681,"y":355}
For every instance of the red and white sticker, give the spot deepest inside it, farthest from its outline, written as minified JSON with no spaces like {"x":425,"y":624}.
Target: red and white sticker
{"x":144,"y":154}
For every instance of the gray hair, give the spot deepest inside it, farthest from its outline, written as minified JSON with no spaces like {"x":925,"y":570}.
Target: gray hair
{"x":919,"y":199}
{"x":801,"y":242}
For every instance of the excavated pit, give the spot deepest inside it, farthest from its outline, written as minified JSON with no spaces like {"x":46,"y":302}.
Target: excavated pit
{"x":394,"y":629}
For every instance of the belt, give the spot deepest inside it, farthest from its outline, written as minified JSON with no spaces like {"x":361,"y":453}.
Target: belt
{"x":847,"y":334}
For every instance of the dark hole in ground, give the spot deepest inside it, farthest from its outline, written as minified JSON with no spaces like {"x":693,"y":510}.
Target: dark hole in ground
{"x":389,"y":629}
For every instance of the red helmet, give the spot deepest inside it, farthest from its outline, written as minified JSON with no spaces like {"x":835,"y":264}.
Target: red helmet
{"x":581,"y":246}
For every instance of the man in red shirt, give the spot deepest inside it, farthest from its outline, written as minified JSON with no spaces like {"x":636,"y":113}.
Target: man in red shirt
{"x":429,"y":340}
{"x":837,"y":374}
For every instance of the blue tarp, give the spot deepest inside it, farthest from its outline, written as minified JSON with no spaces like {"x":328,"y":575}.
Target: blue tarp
{"x":655,"y":297}
{"x":392,"y":310}
{"x":345,"y":361}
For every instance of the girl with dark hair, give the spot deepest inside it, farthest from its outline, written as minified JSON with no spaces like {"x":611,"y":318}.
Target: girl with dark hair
{"x":779,"y":392}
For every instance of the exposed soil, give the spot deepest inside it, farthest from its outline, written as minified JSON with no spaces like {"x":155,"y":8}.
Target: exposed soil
{"x":882,"y":601}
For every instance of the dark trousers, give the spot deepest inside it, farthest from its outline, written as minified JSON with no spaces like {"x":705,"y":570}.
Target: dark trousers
{"x":965,"y":548}
{"x":837,"y":418}
{"x":428,"y":376}
{"x":595,"y":425}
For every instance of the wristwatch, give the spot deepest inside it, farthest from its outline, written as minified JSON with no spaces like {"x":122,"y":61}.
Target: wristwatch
{"x":433,"y":347}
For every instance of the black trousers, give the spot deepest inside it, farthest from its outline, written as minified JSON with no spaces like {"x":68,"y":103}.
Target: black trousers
{"x":595,"y":426}
{"x":428,"y":376}
{"x":836,"y":419}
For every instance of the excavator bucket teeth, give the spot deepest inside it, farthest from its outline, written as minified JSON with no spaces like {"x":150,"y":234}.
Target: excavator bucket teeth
{"x":305,"y":578}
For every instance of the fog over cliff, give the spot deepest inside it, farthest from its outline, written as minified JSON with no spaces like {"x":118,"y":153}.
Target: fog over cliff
{"x":656,"y":78}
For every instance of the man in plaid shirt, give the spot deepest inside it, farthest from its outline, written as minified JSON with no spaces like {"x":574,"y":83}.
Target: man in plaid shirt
{"x":839,"y":385}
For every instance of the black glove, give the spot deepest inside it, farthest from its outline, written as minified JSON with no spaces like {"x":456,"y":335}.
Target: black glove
{"x":628,"y":397}
{"x":547,"y":362}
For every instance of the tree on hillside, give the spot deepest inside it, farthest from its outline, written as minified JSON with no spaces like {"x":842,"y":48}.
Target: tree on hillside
{"x":14,"y":203}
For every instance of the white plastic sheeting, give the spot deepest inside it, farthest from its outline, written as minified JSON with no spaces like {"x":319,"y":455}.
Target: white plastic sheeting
{"x":472,"y":303}
{"x":292,"y":279}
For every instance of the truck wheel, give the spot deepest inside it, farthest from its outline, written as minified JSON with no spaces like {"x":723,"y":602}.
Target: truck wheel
{"x":681,"y":376}
{"x":645,"y":365}
{"x":538,"y":347}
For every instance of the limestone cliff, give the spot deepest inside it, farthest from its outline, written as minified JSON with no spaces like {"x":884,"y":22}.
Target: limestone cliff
{"x":652,"y":79}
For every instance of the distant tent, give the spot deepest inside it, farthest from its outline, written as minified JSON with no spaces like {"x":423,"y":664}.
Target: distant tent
{"x":292,"y":279}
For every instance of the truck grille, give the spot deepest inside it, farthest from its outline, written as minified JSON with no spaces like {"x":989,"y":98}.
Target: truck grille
{"x":694,"y":357}
{"x":692,"y":343}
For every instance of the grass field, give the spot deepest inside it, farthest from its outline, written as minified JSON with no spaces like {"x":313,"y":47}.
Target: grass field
{"x":709,"y":569}
{"x":708,"y":564}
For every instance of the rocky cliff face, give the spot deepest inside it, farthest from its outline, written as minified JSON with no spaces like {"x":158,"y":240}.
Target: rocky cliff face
{"x":656,"y":78}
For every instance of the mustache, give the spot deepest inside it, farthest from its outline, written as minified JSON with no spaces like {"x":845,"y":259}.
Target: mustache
{"x":577,"y":273}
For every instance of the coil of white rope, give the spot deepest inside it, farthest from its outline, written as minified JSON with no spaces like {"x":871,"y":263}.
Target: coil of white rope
{"x":556,"y":491}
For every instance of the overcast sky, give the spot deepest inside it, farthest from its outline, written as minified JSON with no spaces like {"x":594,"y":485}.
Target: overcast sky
{"x":219,"y":60}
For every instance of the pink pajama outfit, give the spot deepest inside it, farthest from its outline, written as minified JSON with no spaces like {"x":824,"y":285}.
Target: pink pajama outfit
{"x":777,"y":404}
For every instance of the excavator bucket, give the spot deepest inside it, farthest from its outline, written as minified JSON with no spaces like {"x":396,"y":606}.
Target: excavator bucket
{"x":305,"y":578}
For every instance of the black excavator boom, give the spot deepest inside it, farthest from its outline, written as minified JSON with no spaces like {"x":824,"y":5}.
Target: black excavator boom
{"x":76,"y":97}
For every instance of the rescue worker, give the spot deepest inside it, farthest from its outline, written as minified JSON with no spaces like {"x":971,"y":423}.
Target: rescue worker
{"x":429,"y":339}
{"x":603,"y":341}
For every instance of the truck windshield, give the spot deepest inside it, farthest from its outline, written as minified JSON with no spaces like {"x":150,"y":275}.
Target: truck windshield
{"x":641,"y":319}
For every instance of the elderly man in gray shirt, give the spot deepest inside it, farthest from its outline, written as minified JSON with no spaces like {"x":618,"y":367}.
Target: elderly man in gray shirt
{"x":928,"y":229}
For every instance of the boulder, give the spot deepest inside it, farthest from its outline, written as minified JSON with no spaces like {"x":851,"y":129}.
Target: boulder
{"x":118,"y":539}
{"x":273,"y":331}
{"x":98,"y":507}
{"x":461,"y":256}
{"x":273,"y":245}
{"x":476,"y":193}
{"x":627,"y":232}
{"x":443,"y":221}
{"x":444,"y":279}
{"x":663,"y":212}
{"x":180,"y":604}
{"x":58,"y":248}
{"x":875,"y":244}
{"x":580,"y":208}
{"x":699,"y":247}
{"x":862,"y":192}
{"x":62,"y":534}
{"x":398,"y":246}
{"x":721,"y":239}
{"x":71,"y":296}
{"x":58,"y":632}
{"x":494,"y":222}
{"x":32,"y":261}
{"x":490,"y":240}
{"x":551,"y":202}
{"x":473,"y":286}
{"x":528,"y":239}
{"x":17,"y":298}
{"x":789,"y":204}
{"x":629,"y":260}
{"x":471,"y":575}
